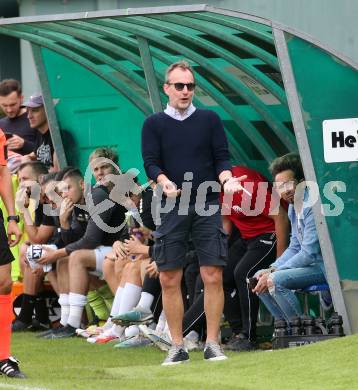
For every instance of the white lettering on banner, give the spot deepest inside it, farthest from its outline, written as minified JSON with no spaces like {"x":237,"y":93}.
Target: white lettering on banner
{"x":340,"y":140}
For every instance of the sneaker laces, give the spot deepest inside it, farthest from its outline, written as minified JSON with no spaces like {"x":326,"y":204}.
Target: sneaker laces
{"x":173,"y":351}
{"x":215,"y":348}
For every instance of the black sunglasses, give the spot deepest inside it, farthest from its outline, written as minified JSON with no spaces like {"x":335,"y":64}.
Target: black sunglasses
{"x":180,"y":86}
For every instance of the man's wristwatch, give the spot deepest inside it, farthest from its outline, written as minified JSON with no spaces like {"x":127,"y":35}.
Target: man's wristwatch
{"x":15,"y":218}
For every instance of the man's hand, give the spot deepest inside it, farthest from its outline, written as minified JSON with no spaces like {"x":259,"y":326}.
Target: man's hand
{"x":28,"y":157}
{"x":134,"y":246}
{"x":49,"y":257}
{"x":111,"y":256}
{"x":15,"y":142}
{"x":119,"y":250}
{"x":170,"y":189}
{"x":22,"y":199}
{"x":261,"y":285}
{"x":233,"y":184}
{"x":152,"y":269}
{"x":13,"y":229}
{"x":65,"y":212}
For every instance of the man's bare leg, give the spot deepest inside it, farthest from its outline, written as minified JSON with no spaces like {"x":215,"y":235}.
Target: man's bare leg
{"x":109,"y":273}
{"x":32,"y":285}
{"x":79,"y":264}
{"x":213,"y":300}
{"x":173,"y":303}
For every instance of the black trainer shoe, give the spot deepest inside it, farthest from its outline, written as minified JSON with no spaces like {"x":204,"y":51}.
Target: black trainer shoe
{"x":176,"y":355}
{"x":10,"y":368}
{"x":61,"y":333}
{"x":19,"y":326}
{"x":49,"y":331}
{"x":37,"y":326}
{"x":240,"y":344}
{"x":213,"y":352}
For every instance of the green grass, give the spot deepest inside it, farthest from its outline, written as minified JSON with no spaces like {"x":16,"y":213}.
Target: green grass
{"x":74,"y":364}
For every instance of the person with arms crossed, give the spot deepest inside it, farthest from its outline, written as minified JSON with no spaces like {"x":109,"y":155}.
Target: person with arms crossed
{"x":15,"y":123}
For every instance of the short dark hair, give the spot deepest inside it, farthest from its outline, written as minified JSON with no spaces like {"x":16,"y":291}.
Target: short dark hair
{"x":10,"y":85}
{"x":48,"y":178}
{"x":60,"y":174}
{"x":37,"y":167}
{"x":74,"y":173}
{"x":290,"y":161}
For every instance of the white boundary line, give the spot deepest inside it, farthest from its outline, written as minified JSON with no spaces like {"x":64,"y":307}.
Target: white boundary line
{"x":20,"y":387}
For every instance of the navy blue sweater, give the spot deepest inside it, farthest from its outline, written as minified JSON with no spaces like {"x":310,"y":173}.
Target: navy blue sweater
{"x":198,"y":144}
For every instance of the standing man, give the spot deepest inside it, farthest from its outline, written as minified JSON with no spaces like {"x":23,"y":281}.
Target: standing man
{"x":44,"y":150}
{"x":185,"y":143}
{"x":15,"y":122}
{"x":8,"y":365}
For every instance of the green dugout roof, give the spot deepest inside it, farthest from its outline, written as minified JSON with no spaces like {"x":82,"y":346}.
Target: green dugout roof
{"x":101,"y":74}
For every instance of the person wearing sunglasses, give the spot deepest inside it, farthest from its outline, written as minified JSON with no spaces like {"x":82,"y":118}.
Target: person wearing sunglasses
{"x":185,"y":151}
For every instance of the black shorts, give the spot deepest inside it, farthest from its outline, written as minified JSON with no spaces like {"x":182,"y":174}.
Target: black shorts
{"x":6,"y":256}
{"x":206,"y":232}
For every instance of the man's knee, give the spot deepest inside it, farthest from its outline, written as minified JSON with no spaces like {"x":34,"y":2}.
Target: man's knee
{"x":108,"y":267}
{"x":170,"y":279}
{"x":81,"y":259}
{"x":5,"y":283}
{"x":212,"y":275}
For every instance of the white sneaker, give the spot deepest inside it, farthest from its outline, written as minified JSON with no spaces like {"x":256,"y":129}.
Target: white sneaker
{"x":113,"y":333}
{"x":161,"y":340}
{"x":92,"y":330}
{"x":191,"y":345}
{"x":191,"y":341}
{"x":213,"y":352}
{"x":133,"y":342}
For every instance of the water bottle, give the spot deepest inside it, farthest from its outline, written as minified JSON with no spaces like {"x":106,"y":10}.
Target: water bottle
{"x":308,"y":325}
{"x":335,"y":325}
{"x":320,"y":326}
{"x":280,"y":328}
{"x":295,"y":324}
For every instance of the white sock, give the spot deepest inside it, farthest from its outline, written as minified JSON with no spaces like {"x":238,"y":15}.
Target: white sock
{"x":108,"y":324}
{"x":167,"y":330}
{"x":116,"y":302}
{"x":146,"y":300}
{"x":77,"y":303}
{"x":65,"y":308}
{"x":161,"y":322}
{"x":130,"y":297}
{"x":131,"y":331}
